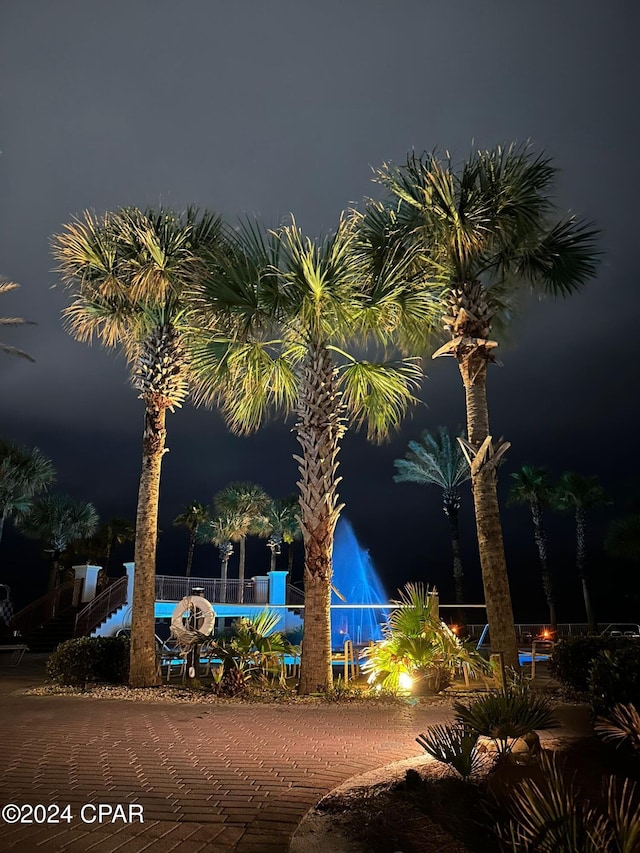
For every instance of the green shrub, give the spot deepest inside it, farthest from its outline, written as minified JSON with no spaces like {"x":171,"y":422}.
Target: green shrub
{"x":615,"y":677}
{"x":573,"y":657}
{"x":83,"y":659}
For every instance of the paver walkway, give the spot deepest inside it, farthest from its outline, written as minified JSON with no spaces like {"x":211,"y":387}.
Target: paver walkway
{"x":209,"y":778}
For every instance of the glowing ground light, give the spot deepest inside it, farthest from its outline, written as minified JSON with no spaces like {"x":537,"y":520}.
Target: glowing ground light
{"x":405,"y":681}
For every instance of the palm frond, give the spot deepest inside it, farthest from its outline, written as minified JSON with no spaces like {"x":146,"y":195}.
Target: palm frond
{"x":379,"y":394}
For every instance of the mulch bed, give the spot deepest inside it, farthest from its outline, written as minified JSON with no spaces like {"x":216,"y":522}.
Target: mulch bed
{"x":433,"y":811}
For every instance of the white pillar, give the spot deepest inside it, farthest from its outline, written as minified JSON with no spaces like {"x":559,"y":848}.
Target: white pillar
{"x":89,"y":576}
{"x":131,"y":570}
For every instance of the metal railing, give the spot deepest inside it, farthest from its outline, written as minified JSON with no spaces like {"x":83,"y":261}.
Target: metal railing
{"x":294,"y":594}
{"x":31,"y":617}
{"x":528,"y":631}
{"x":102,"y":606}
{"x":215,"y":590}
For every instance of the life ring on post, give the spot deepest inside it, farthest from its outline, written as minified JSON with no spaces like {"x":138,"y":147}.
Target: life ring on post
{"x":202,"y":613}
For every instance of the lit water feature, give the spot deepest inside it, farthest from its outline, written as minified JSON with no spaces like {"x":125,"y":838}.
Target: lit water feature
{"x":354,"y":575}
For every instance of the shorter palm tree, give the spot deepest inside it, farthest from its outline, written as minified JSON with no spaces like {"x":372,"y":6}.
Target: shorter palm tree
{"x":437,"y":459}
{"x":6,"y":287}
{"x":58,"y":520}
{"x":623,"y":537}
{"x":223,"y":531}
{"x":249,"y":501}
{"x":580,"y":494}
{"x":531,"y":486}
{"x":280,"y":524}
{"x":24,"y":472}
{"x":193,"y":516}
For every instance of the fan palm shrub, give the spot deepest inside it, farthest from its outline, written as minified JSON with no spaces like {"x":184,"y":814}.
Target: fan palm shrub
{"x":417,"y":650}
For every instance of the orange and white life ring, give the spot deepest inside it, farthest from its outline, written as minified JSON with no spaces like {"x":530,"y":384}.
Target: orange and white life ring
{"x":198,"y":606}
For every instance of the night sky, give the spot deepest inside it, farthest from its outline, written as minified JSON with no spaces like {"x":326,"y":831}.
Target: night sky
{"x":277,"y":107}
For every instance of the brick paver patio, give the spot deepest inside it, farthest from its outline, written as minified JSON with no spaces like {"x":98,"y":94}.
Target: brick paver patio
{"x":209,"y":778}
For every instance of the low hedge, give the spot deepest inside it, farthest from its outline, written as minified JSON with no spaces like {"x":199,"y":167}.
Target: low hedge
{"x":615,"y":678}
{"x":573,"y":657}
{"x":83,"y":659}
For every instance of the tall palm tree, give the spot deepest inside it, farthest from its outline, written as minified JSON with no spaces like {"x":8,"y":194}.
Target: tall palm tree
{"x":250,"y":501}
{"x":6,"y":287}
{"x":127,"y":273}
{"x":223,"y":530}
{"x":485,"y":232}
{"x":531,"y":486}
{"x":301,"y":316}
{"x":580,"y":494}
{"x":24,"y":472}
{"x":438,"y":460}
{"x":192,"y":517}
{"x":58,"y":521}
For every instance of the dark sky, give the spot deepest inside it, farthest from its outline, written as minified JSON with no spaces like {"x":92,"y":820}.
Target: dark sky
{"x":277,"y":107}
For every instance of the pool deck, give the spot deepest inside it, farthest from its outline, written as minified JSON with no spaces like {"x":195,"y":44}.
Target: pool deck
{"x":209,"y":777}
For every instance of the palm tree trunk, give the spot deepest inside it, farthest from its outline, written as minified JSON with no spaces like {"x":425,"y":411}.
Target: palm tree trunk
{"x":2,"y":521}
{"x":54,"y":571}
{"x":290,"y":559}
{"x":143,"y":670}
{"x":192,"y":545}
{"x":450,"y":508}
{"x":541,"y":542}
{"x":242,"y":551}
{"x":272,"y":566}
{"x":224,"y":574}
{"x":581,"y":559}
{"x":319,"y":429}
{"x":485,"y":498}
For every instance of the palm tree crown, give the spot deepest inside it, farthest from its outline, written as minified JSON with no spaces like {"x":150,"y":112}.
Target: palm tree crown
{"x":24,"y":472}
{"x":59,"y":520}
